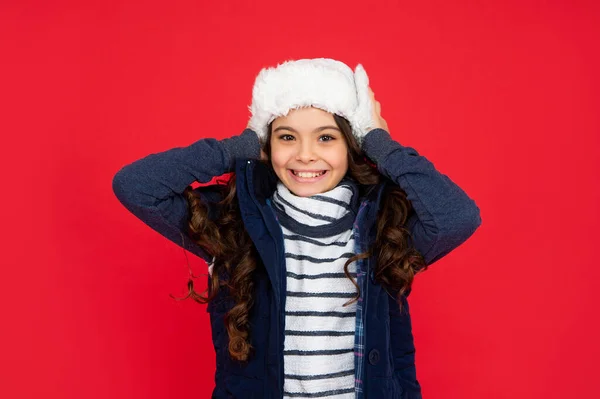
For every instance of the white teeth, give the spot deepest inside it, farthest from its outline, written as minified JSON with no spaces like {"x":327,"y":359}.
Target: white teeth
{"x":308,"y":175}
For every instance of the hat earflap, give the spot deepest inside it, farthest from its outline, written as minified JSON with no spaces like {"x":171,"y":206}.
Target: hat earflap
{"x":363,"y":116}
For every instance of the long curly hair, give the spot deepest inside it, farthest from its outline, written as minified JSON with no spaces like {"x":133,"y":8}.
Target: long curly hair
{"x":235,"y":257}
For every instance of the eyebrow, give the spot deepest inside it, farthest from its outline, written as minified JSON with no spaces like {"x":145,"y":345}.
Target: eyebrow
{"x":319,"y":129}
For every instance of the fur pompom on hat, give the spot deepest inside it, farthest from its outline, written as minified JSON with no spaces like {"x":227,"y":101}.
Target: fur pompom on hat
{"x":323,"y":83}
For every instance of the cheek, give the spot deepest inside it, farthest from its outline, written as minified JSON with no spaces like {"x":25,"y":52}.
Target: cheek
{"x":340,"y":159}
{"x":278,"y":160}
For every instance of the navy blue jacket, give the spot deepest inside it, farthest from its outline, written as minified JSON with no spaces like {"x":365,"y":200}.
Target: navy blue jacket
{"x":443,"y":217}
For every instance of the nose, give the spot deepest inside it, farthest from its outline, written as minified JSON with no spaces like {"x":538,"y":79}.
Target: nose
{"x":306,"y":152}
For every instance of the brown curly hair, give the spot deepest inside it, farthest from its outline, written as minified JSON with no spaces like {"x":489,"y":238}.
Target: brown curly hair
{"x":225,"y":238}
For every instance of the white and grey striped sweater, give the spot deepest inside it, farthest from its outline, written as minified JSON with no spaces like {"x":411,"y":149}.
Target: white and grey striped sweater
{"x":319,"y":330}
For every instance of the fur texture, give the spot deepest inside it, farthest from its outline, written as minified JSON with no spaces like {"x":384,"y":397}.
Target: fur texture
{"x":323,"y":83}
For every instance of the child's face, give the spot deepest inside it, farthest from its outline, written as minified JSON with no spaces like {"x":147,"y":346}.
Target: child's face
{"x":308,"y":139}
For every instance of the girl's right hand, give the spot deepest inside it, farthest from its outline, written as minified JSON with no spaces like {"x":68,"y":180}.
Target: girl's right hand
{"x":263,"y":156}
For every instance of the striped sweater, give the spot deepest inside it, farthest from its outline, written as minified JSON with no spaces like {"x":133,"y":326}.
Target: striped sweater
{"x":320,"y":331}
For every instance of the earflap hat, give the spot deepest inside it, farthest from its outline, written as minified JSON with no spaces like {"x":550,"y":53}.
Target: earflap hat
{"x":323,"y":83}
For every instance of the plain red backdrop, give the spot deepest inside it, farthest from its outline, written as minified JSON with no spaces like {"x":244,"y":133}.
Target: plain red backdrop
{"x":502,"y":96}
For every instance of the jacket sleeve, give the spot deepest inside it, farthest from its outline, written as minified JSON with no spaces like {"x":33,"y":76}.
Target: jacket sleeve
{"x":444,"y":216}
{"x":152,"y":187}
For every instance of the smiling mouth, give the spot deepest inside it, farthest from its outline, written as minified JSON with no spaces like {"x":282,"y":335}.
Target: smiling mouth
{"x":308,"y":174}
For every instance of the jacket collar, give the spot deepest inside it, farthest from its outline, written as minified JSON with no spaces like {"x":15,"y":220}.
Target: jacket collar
{"x":264,"y":180}
{"x":255,"y":184}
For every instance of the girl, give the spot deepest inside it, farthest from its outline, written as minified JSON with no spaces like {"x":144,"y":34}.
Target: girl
{"x":314,"y":241}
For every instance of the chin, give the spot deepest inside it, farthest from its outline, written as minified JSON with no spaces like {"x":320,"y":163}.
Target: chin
{"x":302,"y":191}
{"x":305,"y":193}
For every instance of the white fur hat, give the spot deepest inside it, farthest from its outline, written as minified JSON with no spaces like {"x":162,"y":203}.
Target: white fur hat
{"x":322,"y":83}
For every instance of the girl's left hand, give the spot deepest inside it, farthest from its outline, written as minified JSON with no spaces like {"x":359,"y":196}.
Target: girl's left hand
{"x":378,"y":121}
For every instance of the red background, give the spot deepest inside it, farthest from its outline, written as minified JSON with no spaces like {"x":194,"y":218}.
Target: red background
{"x":503,"y":97}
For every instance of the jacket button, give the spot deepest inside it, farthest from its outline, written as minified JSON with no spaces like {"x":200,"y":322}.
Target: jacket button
{"x":374,"y":357}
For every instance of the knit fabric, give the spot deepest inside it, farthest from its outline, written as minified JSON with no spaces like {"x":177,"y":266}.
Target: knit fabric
{"x":320,"y":331}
